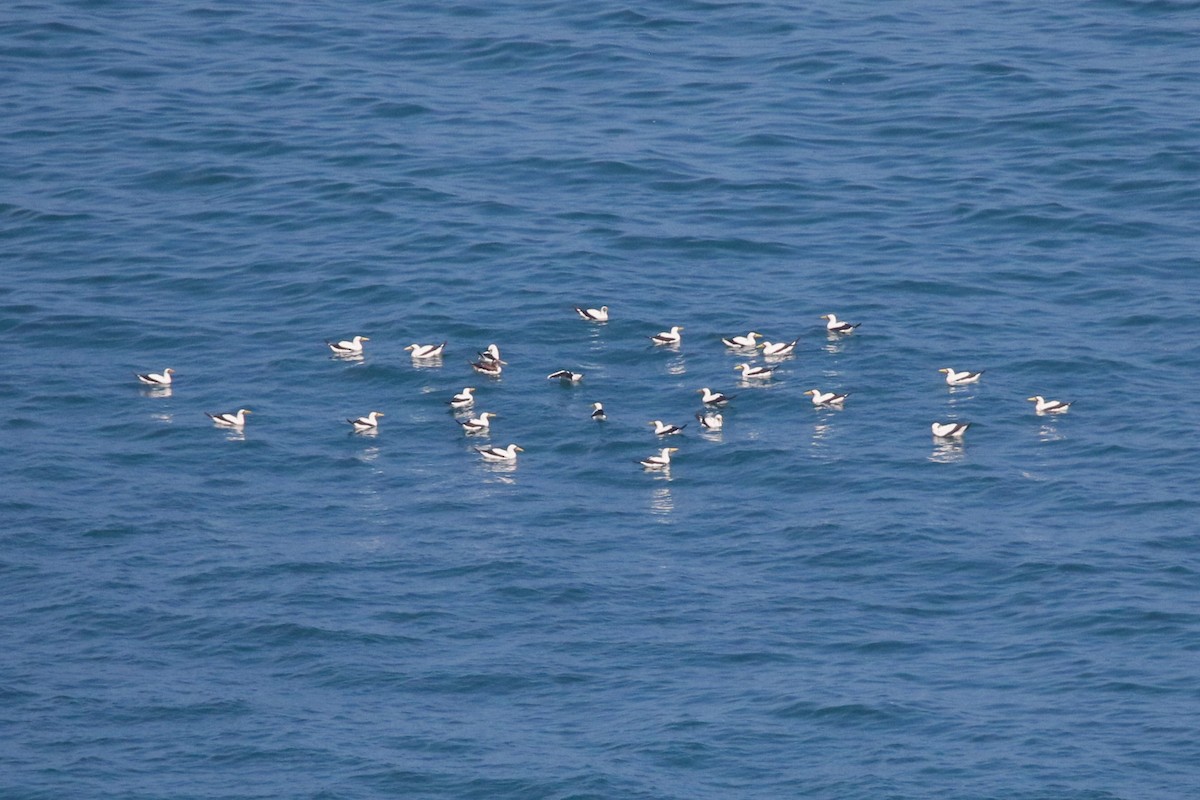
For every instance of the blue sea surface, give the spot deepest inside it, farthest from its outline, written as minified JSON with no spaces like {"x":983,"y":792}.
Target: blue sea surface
{"x":812,"y":603}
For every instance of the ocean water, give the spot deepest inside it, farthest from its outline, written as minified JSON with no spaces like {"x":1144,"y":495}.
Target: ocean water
{"x":813,"y":603}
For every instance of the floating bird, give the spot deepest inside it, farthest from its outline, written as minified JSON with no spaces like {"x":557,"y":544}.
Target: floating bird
{"x":156,"y":378}
{"x":777,"y":349}
{"x":712,"y":398}
{"x":500,"y":453}
{"x":736,"y":342}
{"x":660,"y":461}
{"x":820,"y":398}
{"x":566,"y":376}
{"x":750,"y":373}
{"x":711,"y":421}
{"x":491,"y":353}
{"x":464,"y":399}
{"x":598,"y":412}
{"x":593,"y":314}
{"x":480,"y":424}
{"x":488,"y":367}
{"x":427,"y":350}
{"x":668,"y":337}
{"x":663,"y":429}
{"x":230,"y":420}
{"x":351,"y":347}
{"x":368,"y":423}
{"x":1045,"y":406}
{"x":961,"y":378}
{"x":949,"y":430}
{"x":834,"y":325}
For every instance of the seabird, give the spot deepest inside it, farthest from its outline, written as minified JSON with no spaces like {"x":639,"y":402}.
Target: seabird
{"x":668,"y":337}
{"x":736,"y":342}
{"x":750,"y":373}
{"x":500,"y":453}
{"x":779,"y":348}
{"x":664,"y":429}
{"x":960,"y":378}
{"x":1045,"y":406}
{"x":368,"y":423}
{"x":711,"y":421}
{"x":820,"y":398}
{"x":598,"y":412}
{"x":230,"y":420}
{"x":464,"y":399}
{"x":660,"y":461}
{"x":156,"y":378}
{"x":712,"y":398}
{"x":480,"y":424}
{"x":351,"y":347}
{"x":491,"y":353}
{"x":566,"y":376}
{"x":834,"y":325}
{"x":949,"y":430}
{"x":593,"y":314}
{"x":488,"y":367}
{"x":427,"y":350}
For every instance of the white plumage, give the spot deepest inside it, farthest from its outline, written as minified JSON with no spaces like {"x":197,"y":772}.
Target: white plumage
{"x":480,"y":424}
{"x":665,"y":429}
{"x":156,"y":378}
{"x":368,"y":423}
{"x":427,"y":350}
{"x":711,"y":421}
{"x":668,"y":337}
{"x":500,"y":453}
{"x":820,"y":398}
{"x":598,"y":413}
{"x":738,"y":342}
{"x":712,"y":398}
{"x":660,"y":461}
{"x":949,"y":430}
{"x":835,"y":325}
{"x":230,"y":420}
{"x":566,"y":376}
{"x":1044,"y":406}
{"x":348,"y":347}
{"x":464,"y":399}
{"x":777,"y":349}
{"x":593,"y":314}
{"x":955,"y":378}
{"x":750,"y":373}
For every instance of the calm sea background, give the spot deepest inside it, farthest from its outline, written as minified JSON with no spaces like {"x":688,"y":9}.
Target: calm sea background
{"x":812,"y":604}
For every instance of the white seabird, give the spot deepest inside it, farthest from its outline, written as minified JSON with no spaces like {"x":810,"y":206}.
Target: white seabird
{"x":949,"y":430}
{"x":500,"y":453}
{"x":954,"y":378}
{"x":750,"y":373}
{"x":777,"y":349}
{"x":566,"y":376}
{"x":368,"y":423}
{"x":230,"y":420}
{"x":1045,"y":406}
{"x":348,"y":347}
{"x":480,"y":424}
{"x":668,"y":337}
{"x":738,"y":342}
{"x":711,"y":421}
{"x":491,"y":353}
{"x":427,"y":350}
{"x":660,"y":461}
{"x":593,"y":314}
{"x":820,"y":398}
{"x":834,"y":325}
{"x":665,"y":429}
{"x":156,"y":378}
{"x":464,"y":399}
{"x":712,"y":398}
{"x":598,"y":412}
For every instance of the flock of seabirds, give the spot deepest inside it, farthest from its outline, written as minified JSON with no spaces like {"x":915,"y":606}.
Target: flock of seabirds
{"x":491,"y":365}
